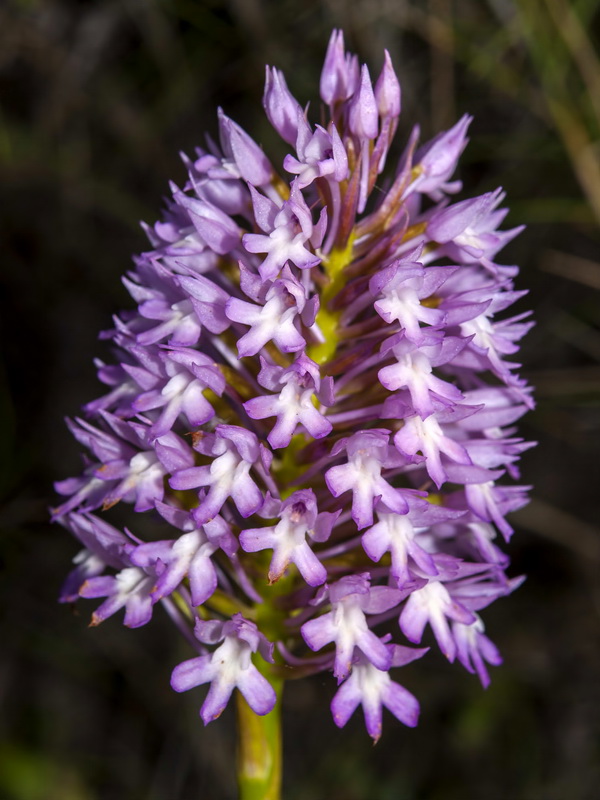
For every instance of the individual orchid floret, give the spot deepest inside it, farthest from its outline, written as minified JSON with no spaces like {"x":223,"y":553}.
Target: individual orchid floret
{"x":98,"y":536}
{"x":179,"y":308}
{"x":208,"y":301}
{"x":499,"y":407}
{"x":474,"y":649}
{"x":363,"y":122}
{"x":468,"y":230}
{"x":491,"y":503}
{"x":141,"y":479}
{"x":387,"y":90}
{"x":106,"y":445}
{"x":213,"y":181}
{"x":187,"y":374}
{"x":299,"y":521}
{"x":287,"y":231}
{"x":436,"y":161}
{"x":433,"y":604}
{"x":234,"y":451}
{"x":368,"y":453}
{"x":188,"y":556}
{"x":216,"y":228}
{"x":363,"y":119}
{"x":275,"y":321}
{"x":426,"y":436}
{"x":339,"y":77}
{"x":498,"y":452}
{"x":105,"y":546}
{"x":492,"y":340}
{"x":128,"y":472}
{"x":250,"y":161}
{"x":177,"y":323}
{"x":388,"y":99}
{"x":294,"y":405}
{"x":168,"y":231}
{"x":401,"y":536}
{"x":346,"y":625}
{"x":87,"y":565}
{"x":119,"y":398}
{"x":400,"y":288}
{"x":228,"y":667}
{"x":413,"y":371}
{"x":281,"y":107}
{"x":320,"y":155}
{"x":130,"y":588}
{"x":475,"y":585}
{"x":374,"y":689}
{"x":459,"y":306}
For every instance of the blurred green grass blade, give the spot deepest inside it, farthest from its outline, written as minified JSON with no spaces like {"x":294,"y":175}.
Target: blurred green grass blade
{"x":29,"y":775}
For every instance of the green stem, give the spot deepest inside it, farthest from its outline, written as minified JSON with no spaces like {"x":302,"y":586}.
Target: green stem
{"x":259,"y":749}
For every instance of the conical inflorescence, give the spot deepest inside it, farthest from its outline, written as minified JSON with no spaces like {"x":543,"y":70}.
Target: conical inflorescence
{"x":315,"y":396}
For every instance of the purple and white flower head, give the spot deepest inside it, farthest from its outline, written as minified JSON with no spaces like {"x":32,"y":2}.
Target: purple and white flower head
{"x":315,"y":398}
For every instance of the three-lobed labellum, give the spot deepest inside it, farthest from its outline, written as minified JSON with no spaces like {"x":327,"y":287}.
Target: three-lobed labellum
{"x":314,"y":396}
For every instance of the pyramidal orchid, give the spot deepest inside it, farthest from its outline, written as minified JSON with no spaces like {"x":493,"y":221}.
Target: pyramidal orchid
{"x":314,"y":396}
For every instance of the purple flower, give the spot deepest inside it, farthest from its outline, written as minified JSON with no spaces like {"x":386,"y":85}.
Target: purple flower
{"x":242,"y":151}
{"x":413,"y":370}
{"x":276,"y":320}
{"x":373,"y":689}
{"x":130,"y":588}
{"x":228,"y":667}
{"x":468,"y":229}
{"x":320,"y":155}
{"x":433,"y":604}
{"x":437,"y":160}
{"x":346,"y":625}
{"x":368,"y":453}
{"x":294,"y":405}
{"x":474,"y":649}
{"x":398,"y":534}
{"x":287,"y":230}
{"x":234,"y":451}
{"x":105,"y":546}
{"x":181,"y":382}
{"x":339,"y":77}
{"x":400,"y":288}
{"x":126,"y":471}
{"x":298,"y":519}
{"x":319,"y":363}
{"x":188,"y":556}
{"x":387,"y":90}
{"x":281,"y":107}
{"x":427,"y":437}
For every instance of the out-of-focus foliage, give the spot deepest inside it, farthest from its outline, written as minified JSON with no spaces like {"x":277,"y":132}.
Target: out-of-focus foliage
{"x":96,"y":100}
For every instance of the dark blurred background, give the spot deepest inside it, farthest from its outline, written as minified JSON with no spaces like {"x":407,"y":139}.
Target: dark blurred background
{"x":97,"y":99}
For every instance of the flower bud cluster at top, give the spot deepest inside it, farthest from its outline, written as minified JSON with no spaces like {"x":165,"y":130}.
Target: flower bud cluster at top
{"x":313,"y":394}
